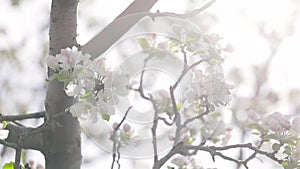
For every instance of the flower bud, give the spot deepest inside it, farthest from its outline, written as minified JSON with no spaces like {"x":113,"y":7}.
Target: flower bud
{"x":126,"y":127}
{"x":115,"y":125}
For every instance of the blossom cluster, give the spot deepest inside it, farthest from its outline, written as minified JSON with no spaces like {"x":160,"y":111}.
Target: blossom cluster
{"x":122,"y":135}
{"x":94,"y":87}
{"x":275,"y":122}
{"x":212,"y":86}
{"x":282,"y":131}
{"x":183,"y":162}
{"x":162,"y":102}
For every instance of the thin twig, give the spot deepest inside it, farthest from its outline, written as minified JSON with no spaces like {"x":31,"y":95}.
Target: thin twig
{"x":184,"y":16}
{"x":121,"y":122}
{"x":8,"y":144}
{"x":135,"y":12}
{"x":186,"y":70}
{"x":166,"y":122}
{"x":196,"y":117}
{"x":153,"y":129}
{"x":177,"y":117}
{"x":23,"y":116}
{"x":119,"y":156}
{"x":214,"y":151}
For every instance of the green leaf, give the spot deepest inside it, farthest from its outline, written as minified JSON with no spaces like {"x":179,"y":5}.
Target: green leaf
{"x":105,"y":117}
{"x":285,"y":164}
{"x":64,"y":76}
{"x":289,"y":164}
{"x":144,"y":43}
{"x":170,"y":167}
{"x":178,"y":106}
{"x":191,"y":140}
{"x":214,"y":62}
{"x":9,"y":165}
{"x":4,"y":124}
{"x":15,"y":2}
{"x":173,"y":43}
{"x":255,"y":126}
{"x":216,"y":114}
{"x":54,"y":76}
{"x":287,"y":150}
{"x":269,"y":137}
{"x":125,"y":138}
{"x":276,"y":147}
{"x":292,"y":140}
{"x":175,"y":51}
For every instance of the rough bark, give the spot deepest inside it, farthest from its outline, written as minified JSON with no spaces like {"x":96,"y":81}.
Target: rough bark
{"x":62,"y":144}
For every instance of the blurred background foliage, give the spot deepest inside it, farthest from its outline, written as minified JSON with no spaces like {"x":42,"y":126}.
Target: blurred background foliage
{"x":264,"y":66}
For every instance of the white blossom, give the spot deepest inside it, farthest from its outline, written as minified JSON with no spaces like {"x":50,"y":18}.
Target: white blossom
{"x":277,"y":122}
{"x":106,"y":102}
{"x":180,"y":161}
{"x":3,"y":132}
{"x":117,"y":81}
{"x":211,"y":85}
{"x":162,"y":101}
{"x":212,"y":38}
{"x":52,"y":62}
{"x":73,"y":90}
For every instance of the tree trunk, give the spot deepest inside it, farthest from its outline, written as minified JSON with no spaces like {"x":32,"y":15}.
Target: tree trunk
{"x":62,"y":143}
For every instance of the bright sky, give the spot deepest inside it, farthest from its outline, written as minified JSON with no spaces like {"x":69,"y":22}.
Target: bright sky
{"x":237,"y":24}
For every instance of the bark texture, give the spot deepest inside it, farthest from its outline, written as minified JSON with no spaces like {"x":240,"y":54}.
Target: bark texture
{"x":62,"y":144}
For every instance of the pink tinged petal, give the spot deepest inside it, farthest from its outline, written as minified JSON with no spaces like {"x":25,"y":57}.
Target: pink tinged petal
{"x":198,"y":74}
{"x":115,"y":125}
{"x":126,"y":127}
{"x":65,"y":52}
{"x":52,"y":62}
{"x":273,"y":125}
{"x":283,"y":120}
{"x":71,"y":61}
{"x":253,"y":115}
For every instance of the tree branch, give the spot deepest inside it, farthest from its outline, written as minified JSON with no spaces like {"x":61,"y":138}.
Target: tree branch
{"x":115,"y":30}
{"x":8,"y":144}
{"x":176,"y":149}
{"x":22,"y":116}
{"x":153,"y":129}
{"x":215,"y":151}
{"x":196,"y":117}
